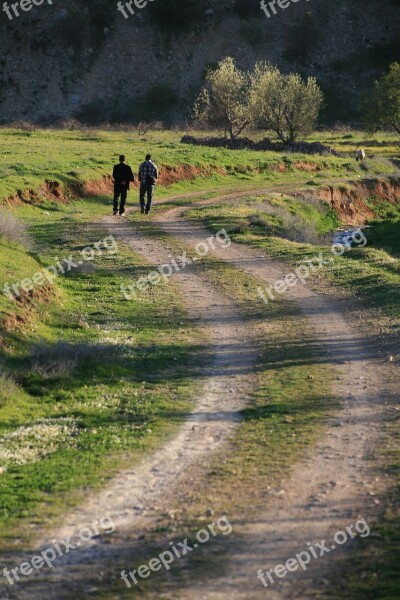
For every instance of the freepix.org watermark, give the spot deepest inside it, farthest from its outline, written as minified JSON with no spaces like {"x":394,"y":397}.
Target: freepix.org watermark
{"x":309,"y":266}
{"x":179,"y":263}
{"x":127,"y":9}
{"x":314,"y":551}
{"x":176,"y":551}
{"x":13,"y":10}
{"x":60,"y":267}
{"x":269,"y":7}
{"x":59,"y":549}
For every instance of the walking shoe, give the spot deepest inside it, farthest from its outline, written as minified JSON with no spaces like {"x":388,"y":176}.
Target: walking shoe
{"x":115,"y":212}
{"x":142,"y":211}
{"x":122,"y":214}
{"x":147,"y":212}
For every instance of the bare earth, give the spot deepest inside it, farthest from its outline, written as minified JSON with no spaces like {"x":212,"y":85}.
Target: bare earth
{"x":332,"y":487}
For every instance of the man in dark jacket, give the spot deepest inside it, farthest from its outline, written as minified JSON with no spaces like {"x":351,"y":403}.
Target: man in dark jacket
{"x":148,"y":175}
{"x":123,"y":176}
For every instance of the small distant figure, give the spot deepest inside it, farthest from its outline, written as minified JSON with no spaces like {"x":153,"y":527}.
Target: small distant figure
{"x":148,"y":175}
{"x":123,"y":177}
{"x":360,"y":155}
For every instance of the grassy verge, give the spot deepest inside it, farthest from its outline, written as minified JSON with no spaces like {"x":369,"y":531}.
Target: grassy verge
{"x":374,"y":571}
{"x":90,"y":380}
{"x":371,"y":275}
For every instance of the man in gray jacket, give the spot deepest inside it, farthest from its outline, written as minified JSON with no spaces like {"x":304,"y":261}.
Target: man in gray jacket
{"x":148,"y":175}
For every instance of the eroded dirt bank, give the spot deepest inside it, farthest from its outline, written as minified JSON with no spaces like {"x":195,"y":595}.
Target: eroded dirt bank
{"x":356,"y":202}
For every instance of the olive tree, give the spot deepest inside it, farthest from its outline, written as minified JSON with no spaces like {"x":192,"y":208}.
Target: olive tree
{"x":383,"y":104}
{"x":284,"y":103}
{"x":223,"y":102}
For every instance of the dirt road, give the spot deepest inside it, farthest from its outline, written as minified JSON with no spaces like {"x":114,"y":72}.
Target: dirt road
{"x":333,"y":487}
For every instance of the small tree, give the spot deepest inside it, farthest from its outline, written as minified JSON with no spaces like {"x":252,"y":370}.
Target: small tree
{"x":383,"y":105}
{"x":284,"y":103}
{"x":223,"y":103}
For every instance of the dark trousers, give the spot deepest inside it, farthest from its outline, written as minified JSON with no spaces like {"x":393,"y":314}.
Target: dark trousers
{"x":122,"y":191}
{"x":149,"y":190}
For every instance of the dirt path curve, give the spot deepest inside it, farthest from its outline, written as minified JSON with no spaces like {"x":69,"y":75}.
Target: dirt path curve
{"x":235,"y":192}
{"x":335,"y":485}
{"x":135,"y":498}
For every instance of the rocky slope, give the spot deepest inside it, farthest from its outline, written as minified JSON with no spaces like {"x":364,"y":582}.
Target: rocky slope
{"x":68,"y":59}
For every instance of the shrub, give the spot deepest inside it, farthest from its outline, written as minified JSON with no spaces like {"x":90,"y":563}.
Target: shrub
{"x":71,"y":125}
{"x":23,"y":126}
{"x":61,"y":359}
{"x":14,"y":230}
{"x":8,"y":389}
{"x":299,"y":230}
{"x":261,"y":222}
{"x":382,"y":109}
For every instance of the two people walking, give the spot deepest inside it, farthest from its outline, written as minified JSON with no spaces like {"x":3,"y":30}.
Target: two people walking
{"x":123,"y":177}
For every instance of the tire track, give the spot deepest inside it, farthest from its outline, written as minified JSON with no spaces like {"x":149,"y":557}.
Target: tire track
{"x":135,"y":498}
{"x":334,"y":485}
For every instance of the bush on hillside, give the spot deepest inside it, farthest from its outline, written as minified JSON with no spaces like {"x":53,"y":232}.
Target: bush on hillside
{"x":14,"y":230}
{"x":383,"y":105}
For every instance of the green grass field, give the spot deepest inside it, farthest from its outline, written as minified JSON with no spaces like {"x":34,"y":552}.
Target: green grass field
{"x":30,"y":157}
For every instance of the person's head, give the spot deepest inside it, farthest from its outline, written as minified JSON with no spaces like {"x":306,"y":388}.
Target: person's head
{"x":148,"y":156}
{"x":122,"y":158}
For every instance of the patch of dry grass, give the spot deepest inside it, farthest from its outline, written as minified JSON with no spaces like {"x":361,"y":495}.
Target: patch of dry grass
{"x":15,"y":231}
{"x":29,"y":444}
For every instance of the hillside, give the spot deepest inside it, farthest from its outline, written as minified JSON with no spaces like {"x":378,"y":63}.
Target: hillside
{"x":70,"y":60}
